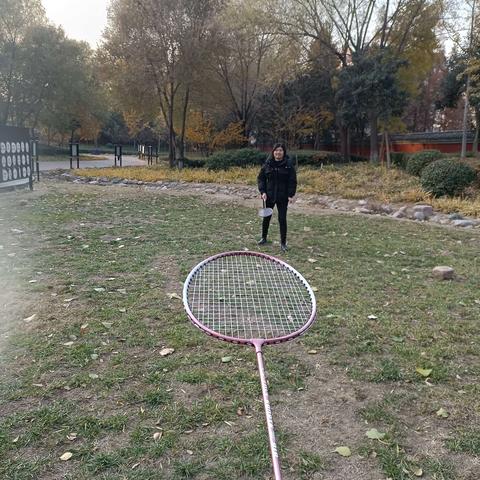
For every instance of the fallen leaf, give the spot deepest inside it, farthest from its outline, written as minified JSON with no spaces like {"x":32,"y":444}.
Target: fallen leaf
{"x":66,"y":456}
{"x":122,"y":310}
{"x":68,"y":344}
{"x":29,"y":319}
{"x":122,"y":290}
{"x":343,"y":451}
{"x":312,"y":260}
{"x":99,"y":289}
{"x":372,"y":317}
{"x":157,"y":436}
{"x":226,"y":359}
{"x":315,"y":289}
{"x":374,"y":434}
{"x":312,"y":352}
{"x":15,"y":440}
{"x":190,"y":452}
{"x":93,"y":376}
{"x":418,"y":472}
{"x":107,"y":324}
{"x":174,"y":295}
{"x":166,"y":351}
{"x":442,"y":413}
{"x":424,"y":372}
{"x":72,"y":436}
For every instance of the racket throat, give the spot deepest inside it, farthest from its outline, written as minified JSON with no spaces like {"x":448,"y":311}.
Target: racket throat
{"x":268,"y":410}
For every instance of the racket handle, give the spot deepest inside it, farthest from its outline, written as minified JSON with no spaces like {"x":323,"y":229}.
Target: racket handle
{"x":268,"y":413}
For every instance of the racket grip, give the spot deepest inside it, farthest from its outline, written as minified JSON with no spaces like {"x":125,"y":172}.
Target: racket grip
{"x":268,"y":413}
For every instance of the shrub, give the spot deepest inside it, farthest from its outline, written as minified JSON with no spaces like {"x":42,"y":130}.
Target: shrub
{"x":320,"y":158}
{"x":219,"y":161}
{"x":189,"y":163}
{"x":357,"y":158}
{"x":51,"y":150}
{"x":399,"y":160}
{"x":418,"y":161}
{"x":235,"y":158}
{"x":447,"y":177}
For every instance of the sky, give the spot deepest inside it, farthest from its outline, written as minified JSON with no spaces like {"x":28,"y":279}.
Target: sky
{"x":81,"y":19}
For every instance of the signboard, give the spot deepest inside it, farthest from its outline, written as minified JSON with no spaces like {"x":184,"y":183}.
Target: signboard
{"x":15,"y":157}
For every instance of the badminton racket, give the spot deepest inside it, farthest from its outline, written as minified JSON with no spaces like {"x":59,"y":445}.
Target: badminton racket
{"x":252,"y":299}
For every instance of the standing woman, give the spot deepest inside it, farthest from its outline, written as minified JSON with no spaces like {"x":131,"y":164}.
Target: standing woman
{"x":277,"y":183}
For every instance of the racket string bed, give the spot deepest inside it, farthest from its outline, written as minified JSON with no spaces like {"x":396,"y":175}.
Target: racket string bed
{"x":248,"y":297}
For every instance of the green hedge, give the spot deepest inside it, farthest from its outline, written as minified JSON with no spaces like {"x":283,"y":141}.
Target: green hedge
{"x":418,"y":161}
{"x":235,"y":158}
{"x":447,"y":177}
{"x":320,"y":158}
{"x":250,"y":157}
{"x":189,"y":163}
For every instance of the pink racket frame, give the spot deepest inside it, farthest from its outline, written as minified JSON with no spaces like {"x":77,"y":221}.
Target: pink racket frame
{"x":255,"y":342}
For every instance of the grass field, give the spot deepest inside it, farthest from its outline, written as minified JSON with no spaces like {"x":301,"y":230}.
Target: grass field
{"x":91,"y":280}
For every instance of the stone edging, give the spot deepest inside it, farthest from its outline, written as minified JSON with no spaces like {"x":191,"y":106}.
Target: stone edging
{"x":421,"y":213}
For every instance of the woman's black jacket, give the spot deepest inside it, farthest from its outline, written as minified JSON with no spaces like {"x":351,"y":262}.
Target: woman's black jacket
{"x":277,"y":179}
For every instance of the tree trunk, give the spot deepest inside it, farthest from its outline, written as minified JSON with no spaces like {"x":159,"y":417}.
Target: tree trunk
{"x":463,"y":153}
{"x":171,"y":131}
{"x":387,"y":150}
{"x":182,"y":132}
{"x":381,"y":157}
{"x":373,"y":138}
{"x":344,"y":143}
{"x":9,"y":94}
{"x":477,"y":131}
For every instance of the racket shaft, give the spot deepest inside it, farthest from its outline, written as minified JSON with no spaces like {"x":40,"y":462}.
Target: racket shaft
{"x":268,"y":414}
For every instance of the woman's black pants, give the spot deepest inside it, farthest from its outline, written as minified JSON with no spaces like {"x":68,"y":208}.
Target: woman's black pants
{"x":282,"y":206}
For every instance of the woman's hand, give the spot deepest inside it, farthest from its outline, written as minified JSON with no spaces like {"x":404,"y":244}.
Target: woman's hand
{"x":264,"y":197}
{"x":292,"y":200}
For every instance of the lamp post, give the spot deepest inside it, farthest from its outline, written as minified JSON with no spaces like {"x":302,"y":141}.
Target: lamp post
{"x":74,"y":153}
{"x":118,"y":155}
{"x":35,"y":158}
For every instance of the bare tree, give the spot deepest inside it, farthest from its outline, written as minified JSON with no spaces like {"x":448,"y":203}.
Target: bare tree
{"x":157,"y":43}
{"x":244,"y":58}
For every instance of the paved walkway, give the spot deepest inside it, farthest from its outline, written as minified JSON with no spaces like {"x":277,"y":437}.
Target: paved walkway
{"x":127,"y":160}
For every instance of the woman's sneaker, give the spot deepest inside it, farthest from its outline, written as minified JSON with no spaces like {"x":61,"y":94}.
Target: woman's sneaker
{"x":262,"y":241}
{"x":283,"y":247}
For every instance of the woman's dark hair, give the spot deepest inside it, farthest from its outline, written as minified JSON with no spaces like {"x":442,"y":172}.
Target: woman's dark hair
{"x":279,"y":145}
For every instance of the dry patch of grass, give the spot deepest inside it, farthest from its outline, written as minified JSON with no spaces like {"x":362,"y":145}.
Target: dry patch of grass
{"x":354,"y":181}
{"x":164,"y":173}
